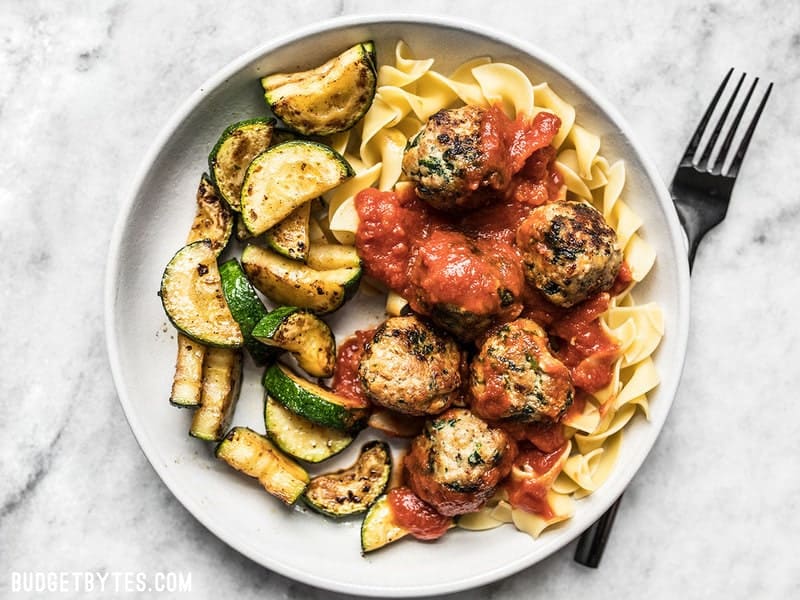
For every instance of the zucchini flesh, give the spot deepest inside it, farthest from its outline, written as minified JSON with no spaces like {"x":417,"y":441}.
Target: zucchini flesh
{"x":312,"y":401}
{"x":353,"y":490}
{"x":305,"y":335}
{"x":324,"y":257}
{"x":255,"y":456}
{"x":246,"y":307}
{"x":238,"y":145}
{"x":222,"y":376}
{"x":378,"y":527}
{"x":187,"y":382}
{"x":286,"y":176}
{"x":299,"y":437}
{"x":291,"y":283}
{"x":290,"y":236}
{"x":329,"y":98}
{"x":213,"y":219}
{"x":191,"y":292}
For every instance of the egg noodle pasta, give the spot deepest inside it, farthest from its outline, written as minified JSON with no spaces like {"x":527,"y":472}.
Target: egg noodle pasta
{"x":408,"y":93}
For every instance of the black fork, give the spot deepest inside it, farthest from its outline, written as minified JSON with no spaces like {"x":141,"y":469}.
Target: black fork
{"x":701,"y":191}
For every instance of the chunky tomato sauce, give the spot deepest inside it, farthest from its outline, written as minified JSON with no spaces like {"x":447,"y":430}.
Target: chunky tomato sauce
{"x":345,"y":376}
{"x":530,"y":496}
{"x":586,"y":349}
{"x":546,"y":436}
{"x":578,"y":339}
{"x":530,"y":492}
{"x":415,"y":516}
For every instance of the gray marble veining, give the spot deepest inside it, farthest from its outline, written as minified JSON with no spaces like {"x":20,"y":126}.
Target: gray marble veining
{"x":86,"y":86}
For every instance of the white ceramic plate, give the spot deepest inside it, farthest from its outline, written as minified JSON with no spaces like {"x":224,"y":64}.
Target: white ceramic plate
{"x":153,"y":222}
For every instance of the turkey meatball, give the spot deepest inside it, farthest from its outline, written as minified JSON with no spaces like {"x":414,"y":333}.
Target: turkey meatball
{"x":458,"y":460}
{"x":464,"y":285}
{"x":445,"y":159}
{"x":569,"y":251}
{"x":514,"y":376}
{"x":411,"y":368}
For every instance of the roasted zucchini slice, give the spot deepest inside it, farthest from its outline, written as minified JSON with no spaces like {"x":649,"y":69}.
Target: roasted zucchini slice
{"x":213,"y":220}
{"x":332,"y":256}
{"x":238,"y":145}
{"x":329,"y":98}
{"x":254,"y":455}
{"x":246,"y":307}
{"x":313,"y":401}
{"x":287,"y":176}
{"x":378,"y":527}
{"x":191,"y":292}
{"x":288,"y":282}
{"x":187,"y":382}
{"x":353,"y":490}
{"x":302,"y":333}
{"x":222,"y":376}
{"x":299,"y":437}
{"x":290,"y":236}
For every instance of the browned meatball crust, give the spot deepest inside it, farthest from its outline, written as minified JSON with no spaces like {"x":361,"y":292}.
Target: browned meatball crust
{"x":458,"y":460}
{"x":445,"y":159}
{"x":411,"y":367}
{"x":569,"y":251}
{"x":514,"y":376}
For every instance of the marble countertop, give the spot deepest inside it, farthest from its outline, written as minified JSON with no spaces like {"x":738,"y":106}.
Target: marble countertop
{"x":85,"y":87}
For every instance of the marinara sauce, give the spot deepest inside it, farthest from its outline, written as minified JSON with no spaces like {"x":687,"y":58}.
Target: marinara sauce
{"x":345,"y":375}
{"x":415,"y":516}
{"x":529,"y":491}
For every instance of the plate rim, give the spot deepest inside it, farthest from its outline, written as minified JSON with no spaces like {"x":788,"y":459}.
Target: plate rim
{"x":130,"y":193}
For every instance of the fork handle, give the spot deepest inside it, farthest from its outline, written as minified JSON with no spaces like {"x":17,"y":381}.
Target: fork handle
{"x":693,"y":225}
{"x":593,"y":541}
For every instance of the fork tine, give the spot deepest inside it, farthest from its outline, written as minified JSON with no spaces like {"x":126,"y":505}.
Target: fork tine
{"x":688,"y":155}
{"x":723,"y":151}
{"x":739,"y":156}
{"x":720,"y":124}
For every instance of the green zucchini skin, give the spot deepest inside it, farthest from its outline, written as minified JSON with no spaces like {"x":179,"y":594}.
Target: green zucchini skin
{"x":353,"y":490}
{"x":304,"y":334}
{"x":254,"y":455}
{"x":312,"y":401}
{"x":192,"y":297}
{"x":246,"y":307}
{"x":269,"y":325}
{"x":298,"y":437}
{"x":329,"y":98}
{"x":236,"y":147}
